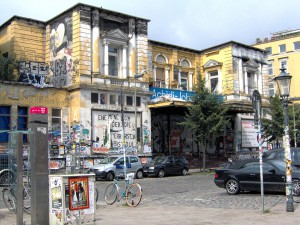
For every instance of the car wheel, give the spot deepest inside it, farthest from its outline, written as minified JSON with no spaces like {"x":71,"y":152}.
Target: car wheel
{"x":110,"y":176}
{"x":232,"y":187}
{"x":161,"y":173}
{"x":184,"y":172}
{"x":139,"y":174}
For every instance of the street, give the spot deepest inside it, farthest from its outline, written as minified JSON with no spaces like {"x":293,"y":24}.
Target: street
{"x":194,"y":190}
{"x":191,"y":199}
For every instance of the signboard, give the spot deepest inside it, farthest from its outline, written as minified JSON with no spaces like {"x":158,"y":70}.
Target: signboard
{"x":249,"y":134}
{"x":38,"y":110}
{"x":183,"y":95}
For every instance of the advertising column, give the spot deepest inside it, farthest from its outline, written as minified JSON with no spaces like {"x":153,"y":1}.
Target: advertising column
{"x":39,"y":165}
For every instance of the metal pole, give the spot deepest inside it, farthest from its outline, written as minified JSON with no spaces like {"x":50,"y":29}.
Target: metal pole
{"x":288,"y":161}
{"x":260,"y":157}
{"x":135,"y":116}
{"x":295,"y":130}
{"x":123,"y":131}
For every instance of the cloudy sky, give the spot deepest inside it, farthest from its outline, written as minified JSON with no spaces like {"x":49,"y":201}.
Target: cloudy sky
{"x":196,"y":24}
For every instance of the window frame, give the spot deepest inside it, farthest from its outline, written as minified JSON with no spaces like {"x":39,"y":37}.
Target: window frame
{"x":212,"y":76}
{"x":298,"y":44}
{"x":4,"y":137}
{"x":280,"y":48}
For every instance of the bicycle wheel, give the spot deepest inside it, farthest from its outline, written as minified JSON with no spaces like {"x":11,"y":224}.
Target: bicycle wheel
{"x":134,"y":195}
{"x":96,"y":194}
{"x":111,"y":193}
{"x":9,"y":199}
{"x":27,"y":199}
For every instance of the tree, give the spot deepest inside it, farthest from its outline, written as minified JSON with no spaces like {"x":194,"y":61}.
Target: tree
{"x":7,"y":66}
{"x":273,"y":128}
{"x":205,"y":117}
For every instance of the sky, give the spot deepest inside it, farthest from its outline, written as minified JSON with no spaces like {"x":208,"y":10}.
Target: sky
{"x":195,"y":24}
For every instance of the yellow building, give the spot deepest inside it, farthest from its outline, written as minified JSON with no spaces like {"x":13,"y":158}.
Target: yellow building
{"x":283,"y":48}
{"x":90,"y":65}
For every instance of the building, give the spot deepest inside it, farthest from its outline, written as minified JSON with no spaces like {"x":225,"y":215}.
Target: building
{"x":95,"y":70}
{"x":283,"y":48}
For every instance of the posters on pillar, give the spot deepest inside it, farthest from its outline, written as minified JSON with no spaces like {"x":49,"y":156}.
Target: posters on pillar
{"x":107,"y":131}
{"x":56,"y":196}
{"x":78,"y":193}
{"x":249,"y":134}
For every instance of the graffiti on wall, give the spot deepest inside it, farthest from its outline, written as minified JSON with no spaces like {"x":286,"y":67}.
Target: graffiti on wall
{"x":107,"y":131}
{"x":34,"y":73}
{"x":61,"y":52}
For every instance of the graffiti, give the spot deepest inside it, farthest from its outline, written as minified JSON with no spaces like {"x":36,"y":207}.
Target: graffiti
{"x":61,"y":52}
{"x":33,"y":73}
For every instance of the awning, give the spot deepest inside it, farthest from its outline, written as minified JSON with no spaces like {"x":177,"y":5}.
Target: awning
{"x":169,"y":104}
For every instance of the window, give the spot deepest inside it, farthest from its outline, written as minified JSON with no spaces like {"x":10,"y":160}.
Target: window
{"x":160,"y":59}
{"x":270,"y":68}
{"x":138,"y":101}
{"x":112,"y":99}
{"x":129,"y":100}
{"x":160,"y":77}
{"x":56,"y":125}
{"x":183,"y":80}
{"x":94,"y":98}
{"x":4,"y":122}
{"x":23,"y":121}
{"x":103,"y":99}
{"x":297,"y":45}
{"x":282,"y":48}
{"x":269,"y":50}
{"x":271,"y":82}
{"x":251,"y":83}
{"x":213,"y":80}
{"x":113,"y":61}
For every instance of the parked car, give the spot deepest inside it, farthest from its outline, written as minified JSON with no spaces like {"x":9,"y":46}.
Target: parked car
{"x":245,"y":176}
{"x":166,"y":165}
{"x":113,"y":166}
{"x":278,"y":153}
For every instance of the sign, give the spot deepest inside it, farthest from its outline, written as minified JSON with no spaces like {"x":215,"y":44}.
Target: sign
{"x":38,"y":110}
{"x":256,"y":104}
{"x":249,"y":134}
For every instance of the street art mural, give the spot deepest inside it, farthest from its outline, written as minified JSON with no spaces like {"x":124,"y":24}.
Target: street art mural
{"x":34,"y":73}
{"x":107,"y":131}
{"x":61,"y":52}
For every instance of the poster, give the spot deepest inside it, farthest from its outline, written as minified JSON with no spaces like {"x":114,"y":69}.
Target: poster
{"x":249,"y":134}
{"x":78,"y":193}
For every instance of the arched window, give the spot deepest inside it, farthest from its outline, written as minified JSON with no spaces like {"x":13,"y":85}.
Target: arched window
{"x":160,"y":59}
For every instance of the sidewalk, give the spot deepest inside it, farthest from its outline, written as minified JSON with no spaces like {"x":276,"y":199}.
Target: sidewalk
{"x":120,"y":214}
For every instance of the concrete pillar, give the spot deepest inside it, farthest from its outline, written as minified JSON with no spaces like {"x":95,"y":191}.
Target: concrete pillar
{"x":105,"y":57}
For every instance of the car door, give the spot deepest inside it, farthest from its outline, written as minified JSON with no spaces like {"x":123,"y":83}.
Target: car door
{"x":274,"y":179}
{"x":133,"y":164}
{"x":120,"y":166}
{"x":248,"y":177}
{"x":170,"y":165}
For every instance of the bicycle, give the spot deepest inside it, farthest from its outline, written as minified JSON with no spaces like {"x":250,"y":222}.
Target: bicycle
{"x":296,"y":191}
{"x":132,"y":193}
{"x":10,"y":200}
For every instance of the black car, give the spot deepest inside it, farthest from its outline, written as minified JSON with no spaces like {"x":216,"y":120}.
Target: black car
{"x":245,"y":176}
{"x":278,"y":153}
{"x":166,"y":165}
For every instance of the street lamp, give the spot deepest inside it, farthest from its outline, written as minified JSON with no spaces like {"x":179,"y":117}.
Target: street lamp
{"x":135,"y":116}
{"x":283,"y":81}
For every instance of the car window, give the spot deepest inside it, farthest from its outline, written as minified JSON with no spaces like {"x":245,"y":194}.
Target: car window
{"x":171,"y":159}
{"x":296,"y":154}
{"x":121,"y":160}
{"x":248,"y":166}
{"x":271,"y":155}
{"x":158,"y":160}
{"x":267,"y":167}
{"x":134,"y":160}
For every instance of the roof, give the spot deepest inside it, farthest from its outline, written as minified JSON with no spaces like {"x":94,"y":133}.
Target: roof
{"x":70,"y":9}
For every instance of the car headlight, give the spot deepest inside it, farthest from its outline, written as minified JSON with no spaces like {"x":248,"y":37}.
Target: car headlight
{"x":151,"y":167}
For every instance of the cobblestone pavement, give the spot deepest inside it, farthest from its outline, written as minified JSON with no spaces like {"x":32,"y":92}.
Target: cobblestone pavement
{"x":196,"y":190}
{"x":191,"y":199}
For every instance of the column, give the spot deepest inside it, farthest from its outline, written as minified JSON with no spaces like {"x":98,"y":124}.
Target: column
{"x":124,"y":62}
{"x":241,"y":75}
{"x":220,"y":83}
{"x":105,"y":57}
{"x":167,"y":80}
{"x":95,"y":42}
{"x":246,"y":82}
{"x":190,"y":83}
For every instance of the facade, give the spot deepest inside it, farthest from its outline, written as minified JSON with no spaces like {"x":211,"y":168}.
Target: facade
{"x":95,"y":70}
{"x":283,"y":48}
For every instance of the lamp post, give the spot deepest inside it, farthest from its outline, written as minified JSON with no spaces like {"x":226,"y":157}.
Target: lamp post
{"x":283,"y":81}
{"x":135,"y":116}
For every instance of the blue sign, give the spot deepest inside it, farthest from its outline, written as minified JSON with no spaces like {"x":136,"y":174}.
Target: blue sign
{"x":183,"y":95}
